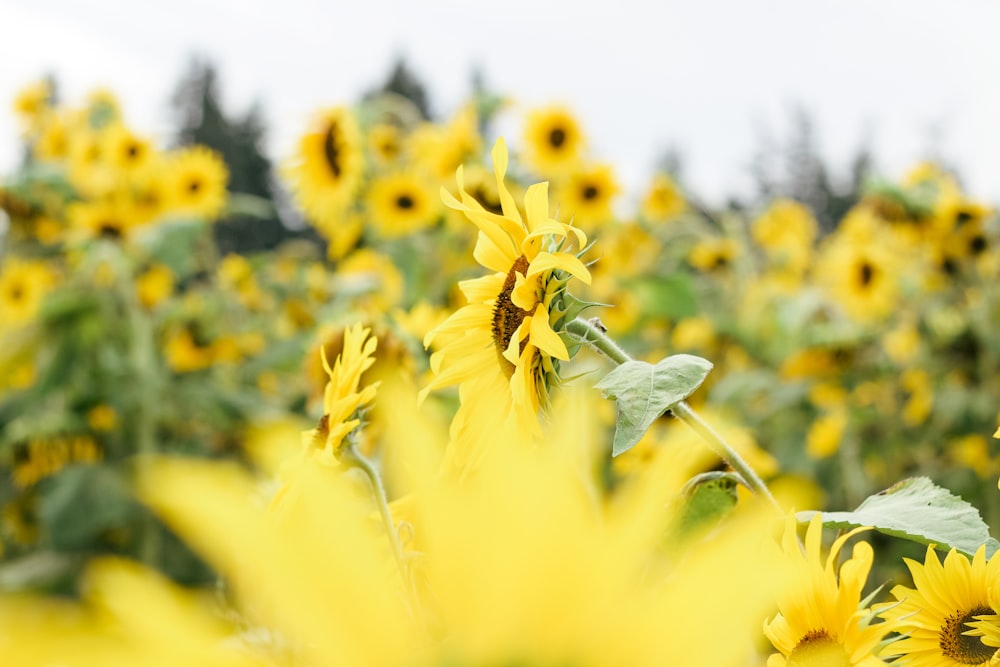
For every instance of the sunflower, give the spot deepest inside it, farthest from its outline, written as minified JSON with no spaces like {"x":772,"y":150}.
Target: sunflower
{"x":402,"y":203}
{"x":664,"y":199}
{"x":860,"y":272}
{"x":107,"y":219}
{"x":326,"y":169}
{"x":713,"y":254}
{"x":439,"y":150}
{"x":385,"y":143}
{"x":505,"y":336}
{"x":821,"y":620}
{"x":553,"y":141}
{"x":937,"y":616}
{"x":32,"y":103}
{"x":53,"y":140}
{"x":586,"y":195}
{"x":23,"y":285}
{"x":126,"y":152}
{"x":196,"y":178}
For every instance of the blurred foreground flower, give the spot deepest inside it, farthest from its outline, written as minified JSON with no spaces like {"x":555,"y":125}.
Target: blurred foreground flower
{"x":520,"y":563}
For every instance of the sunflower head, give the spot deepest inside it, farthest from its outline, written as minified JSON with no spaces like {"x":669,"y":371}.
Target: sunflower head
{"x":511,"y":328}
{"x":553,"y":140}
{"x":326,"y":170}
{"x":939,"y":617}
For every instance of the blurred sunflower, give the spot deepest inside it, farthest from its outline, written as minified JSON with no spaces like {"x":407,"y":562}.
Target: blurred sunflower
{"x":714,"y":254}
{"x":197,"y":178}
{"x":106,"y":219}
{"x":821,"y":620}
{"x":439,"y":150}
{"x":385,"y":143}
{"x":504,"y":337}
{"x":860,"y":272}
{"x":402,"y":203}
{"x":664,"y":199}
{"x":586,"y":195}
{"x":326,"y":169}
{"x":553,"y":141}
{"x":936,"y":616}
{"x":126,"y":152}
{"x":53,"y":140}
{"x":592,"y":590}
{"x":23,"y":285}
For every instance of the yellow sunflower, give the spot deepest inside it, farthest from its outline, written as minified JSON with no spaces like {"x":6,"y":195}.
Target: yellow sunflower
{"x":860,"y":272}
{"x":126,"y":152}
{"x":197,"y":179}
{"x":504,"y":338}
{"x":402,"y":203}
{"x":107,"y":219}
{"x":385,"y":143}
{"x":53,"y":140}
{"x":713,"y":254}
{"x":326,"y":169}
{"x":553,"y":141}
{"x":821,"y":620}
{"x":586,"y":195}
{"x":23,"y":285}
{"x":937,"y":616}
{"x":664,"y":199}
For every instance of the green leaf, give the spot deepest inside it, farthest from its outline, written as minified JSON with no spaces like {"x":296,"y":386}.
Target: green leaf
{"x":917,"y":509}
{"x":708,"y":501}
{"x":644,"y":392}
{"x":81,"y":503}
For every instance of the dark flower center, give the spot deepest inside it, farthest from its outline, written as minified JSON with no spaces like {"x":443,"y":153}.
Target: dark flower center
{"x":109,"y":230}
{"x":404,"y":202}
{"x":977,"y":244}
{"x":963,"y":648}
{"x":506,"y":316}
{"x":866,"y":273}
{"x":590,"y":192}
{"x":557,"y":137}
{"x":194,"y":186}
{"x":331,"y":151}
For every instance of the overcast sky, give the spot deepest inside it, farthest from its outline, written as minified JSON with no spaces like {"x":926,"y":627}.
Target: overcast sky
{"x":700,"y":75}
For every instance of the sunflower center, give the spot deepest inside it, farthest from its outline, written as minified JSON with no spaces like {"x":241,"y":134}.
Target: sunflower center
{"x":404,"y":202}
{"x":818,"y":649}
{"x":109,"y":230}
{"x":590,"y":192}
{"x":506,"y":316}
{"x":557,"y":137}
{"x":866,"y":273}
{"x":977,"y":245}
{"x":949,"y":266}
{"x":194,"y":186}
{"x":16,"y":293}
{"x":330,"y":150}
{"x":961,"y":648}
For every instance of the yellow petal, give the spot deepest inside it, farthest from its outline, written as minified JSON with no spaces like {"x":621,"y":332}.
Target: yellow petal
{"x":545,"y":339}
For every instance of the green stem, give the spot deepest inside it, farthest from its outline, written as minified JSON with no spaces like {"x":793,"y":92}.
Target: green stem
{"x":719,"y":445}
{"x":593,"y":334}
{"x":353,"y":459}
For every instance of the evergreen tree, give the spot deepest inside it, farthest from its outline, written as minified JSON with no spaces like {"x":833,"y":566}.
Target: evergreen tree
{"x":240,"y":141}
{"x":403,"y":82}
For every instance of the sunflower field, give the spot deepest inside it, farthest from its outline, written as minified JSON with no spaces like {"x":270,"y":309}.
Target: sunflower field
{"x":490,"y":414}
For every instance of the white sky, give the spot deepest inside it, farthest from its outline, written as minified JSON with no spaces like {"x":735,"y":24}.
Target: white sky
{"x":698,"y":74}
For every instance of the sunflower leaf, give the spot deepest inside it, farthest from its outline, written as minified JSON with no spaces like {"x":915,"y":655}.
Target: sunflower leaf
{"x":919,"y":510}
{"x":644,"y":392}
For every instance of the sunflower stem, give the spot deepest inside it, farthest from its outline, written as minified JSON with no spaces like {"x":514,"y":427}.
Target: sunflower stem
{"x":353,"y":459}
{"x":593,"y":334}
{"x":719,"y":445}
